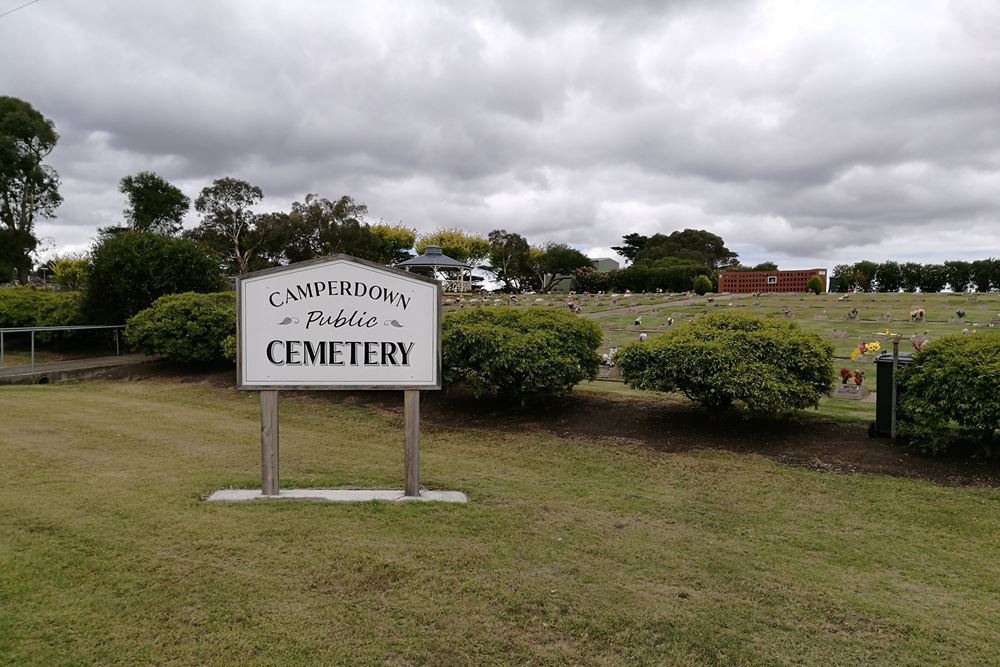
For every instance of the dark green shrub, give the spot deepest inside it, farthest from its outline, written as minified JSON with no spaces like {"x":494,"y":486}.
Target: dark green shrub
{"x":185,"y":327}
{"x":30,"y":307}
{"x":518,"y":353}
{"x":130,"y":270}
{"x":768,"y":365}
{"x":702,"y":284}
{"x":814,"y":285}
{"x":950,"y":393}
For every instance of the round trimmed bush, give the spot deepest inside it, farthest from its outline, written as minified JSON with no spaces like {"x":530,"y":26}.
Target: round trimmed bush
{"x":518,"y":353}
{"x":766,"y":365}
{"x":948,"y":395}
{"x":702,"y":284}
{"x":814,"y":285}
{"x":185,"y":327}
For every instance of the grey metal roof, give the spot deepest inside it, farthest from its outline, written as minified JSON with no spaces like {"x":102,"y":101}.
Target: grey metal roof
{"x":432,"y":257}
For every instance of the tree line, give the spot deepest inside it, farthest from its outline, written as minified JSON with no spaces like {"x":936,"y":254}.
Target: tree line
{"x":960,"y":276}
{"x":238,"y":238}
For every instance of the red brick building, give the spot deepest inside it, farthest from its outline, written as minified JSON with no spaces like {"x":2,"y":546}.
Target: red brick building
{"x":768,"y":281}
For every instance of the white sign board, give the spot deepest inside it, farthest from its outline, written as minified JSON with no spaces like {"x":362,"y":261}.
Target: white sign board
{"x":338,"y":323}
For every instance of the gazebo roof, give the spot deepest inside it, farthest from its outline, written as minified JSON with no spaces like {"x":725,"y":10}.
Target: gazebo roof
{"x":433,"y":257}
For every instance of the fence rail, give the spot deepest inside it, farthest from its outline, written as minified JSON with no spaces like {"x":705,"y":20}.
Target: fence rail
{"x":75,"y":327}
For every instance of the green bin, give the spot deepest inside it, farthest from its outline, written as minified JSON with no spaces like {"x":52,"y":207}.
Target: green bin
{"x":883,"y":392}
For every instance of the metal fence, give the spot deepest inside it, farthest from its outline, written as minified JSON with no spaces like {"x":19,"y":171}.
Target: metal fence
{"x":33,"y":330}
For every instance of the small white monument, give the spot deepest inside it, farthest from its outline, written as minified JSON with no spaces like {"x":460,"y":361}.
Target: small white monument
{"x":337,"y":323}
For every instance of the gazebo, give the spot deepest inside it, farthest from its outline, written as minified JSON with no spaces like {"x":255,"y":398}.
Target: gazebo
{"x":435,"y":260}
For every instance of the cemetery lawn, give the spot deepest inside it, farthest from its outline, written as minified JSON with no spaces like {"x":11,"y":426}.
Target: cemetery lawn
{"x":573,"y":550}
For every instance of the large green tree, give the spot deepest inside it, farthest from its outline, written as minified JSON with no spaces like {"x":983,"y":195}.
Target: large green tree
{"x":509,"y":259}
{"x":228,"y":225}
{"x":396,"y":242}
{"x":632,"y":245}
{"x":317,"y":227}
{"x":29,"y":189}
{"x":455,"y":243}
{"x":554,"y":264}
{"x":691,"y":244}
{"x":154,"y":205}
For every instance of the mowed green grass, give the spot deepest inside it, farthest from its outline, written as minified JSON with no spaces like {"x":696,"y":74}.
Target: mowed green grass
{"x":570,"y":552}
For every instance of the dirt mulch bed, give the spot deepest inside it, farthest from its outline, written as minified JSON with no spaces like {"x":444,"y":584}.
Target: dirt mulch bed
{"x":668,"y":426}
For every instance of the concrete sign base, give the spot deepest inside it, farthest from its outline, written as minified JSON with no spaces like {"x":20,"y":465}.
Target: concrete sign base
{"x":338,"y":495}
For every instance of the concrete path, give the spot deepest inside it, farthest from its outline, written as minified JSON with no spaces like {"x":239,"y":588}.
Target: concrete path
{"x":74,"y":369}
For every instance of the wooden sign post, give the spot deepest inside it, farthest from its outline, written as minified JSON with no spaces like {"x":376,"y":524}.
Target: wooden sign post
{"x":338,"y":323}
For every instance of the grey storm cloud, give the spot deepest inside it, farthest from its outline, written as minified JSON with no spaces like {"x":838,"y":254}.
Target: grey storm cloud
{"x":802,"y":131}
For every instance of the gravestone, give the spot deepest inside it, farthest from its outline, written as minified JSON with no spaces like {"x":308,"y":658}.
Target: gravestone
{"x":851,"y":391}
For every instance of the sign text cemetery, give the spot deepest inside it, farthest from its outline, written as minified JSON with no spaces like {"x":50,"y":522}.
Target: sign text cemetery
{"x":337,"y":323}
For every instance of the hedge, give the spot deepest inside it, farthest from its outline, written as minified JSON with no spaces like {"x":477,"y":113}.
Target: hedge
{"x":720,"y":360}
{"x":949,"y":394}
{"x":32,"y":307}
{"x":518,"y":354}
{"x":187,"y":327}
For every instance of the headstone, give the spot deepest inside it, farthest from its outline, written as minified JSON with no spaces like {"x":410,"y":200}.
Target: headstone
{"x":851,"y":391}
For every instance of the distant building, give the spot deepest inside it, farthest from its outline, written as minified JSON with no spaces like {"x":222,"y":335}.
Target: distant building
{"x":604,"y":264}
{"x":601,"y":265}
{"x":768,"y":281}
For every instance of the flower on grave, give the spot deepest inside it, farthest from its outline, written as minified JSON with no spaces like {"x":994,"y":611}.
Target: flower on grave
{"x":917,"y":314}
{"x":865,"y":348}
{"x":845,"y":375}
{"x":859,"y":376}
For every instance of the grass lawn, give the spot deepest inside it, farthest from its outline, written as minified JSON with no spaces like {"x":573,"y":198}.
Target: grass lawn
{"x":571,"y":551}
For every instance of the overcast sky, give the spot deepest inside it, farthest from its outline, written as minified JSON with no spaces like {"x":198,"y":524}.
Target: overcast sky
{"x":809,"y":133}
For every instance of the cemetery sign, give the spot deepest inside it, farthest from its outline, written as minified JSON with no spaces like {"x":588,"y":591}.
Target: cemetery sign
{"x":338,"y":323}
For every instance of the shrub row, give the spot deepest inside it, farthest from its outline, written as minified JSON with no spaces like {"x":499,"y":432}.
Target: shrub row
{"x":495,"y":351}
{"x":764,"y":365}
{"x":31,"y":307}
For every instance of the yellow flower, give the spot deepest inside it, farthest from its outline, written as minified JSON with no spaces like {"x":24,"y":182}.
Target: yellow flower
{"x":854,"y":353}
{"x":874,"y":346}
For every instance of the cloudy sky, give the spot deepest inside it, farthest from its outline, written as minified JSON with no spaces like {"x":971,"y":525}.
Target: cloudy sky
{"x":808,"y":133}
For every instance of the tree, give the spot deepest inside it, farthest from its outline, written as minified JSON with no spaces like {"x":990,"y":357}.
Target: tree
{"x":933,"y":278}
{"x":467,"y":248}
{"x":396,"y":242}
{"x":702,"y":284}
{"x":889,"y":277}
{"x":911,"y":276}
{"x":555,"y":264}
{"x":154,"y":205}
{"x":70,"y":272}
{"x":228,"y":226}
{"x":131,"y":269}
{"x":317,"y":227}
{"x":841,"y":278}
{"x":815,"y":285}
{"x":959,"y":275}
{"x":864,"y":275}
{"x":692,"y":244}
{"x":632,"y":245}
{"x":983,"y":275}
{"x":509,"y":258}
{"x":765,"y":266}
{"x":29,"y":189}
